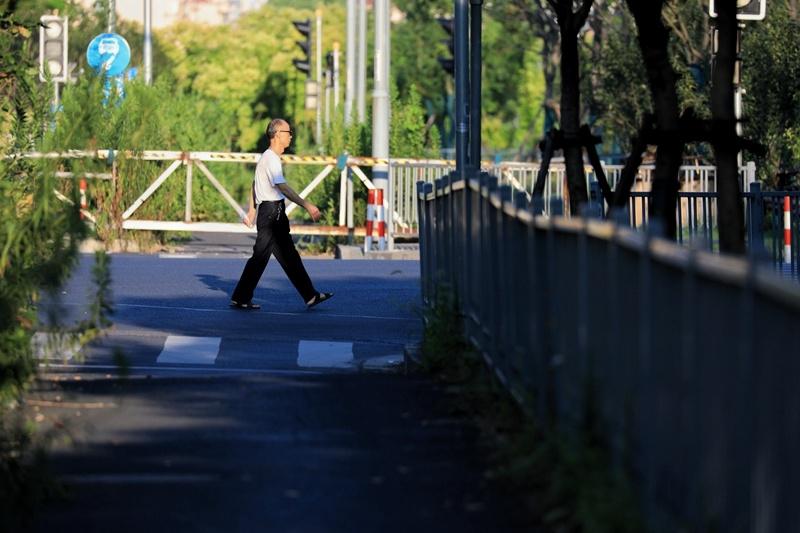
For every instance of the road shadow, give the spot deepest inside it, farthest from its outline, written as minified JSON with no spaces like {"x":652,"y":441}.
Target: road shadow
{"x":216,"y":283}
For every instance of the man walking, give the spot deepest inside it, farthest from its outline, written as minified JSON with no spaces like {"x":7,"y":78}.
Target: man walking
{"x":268,"y":212}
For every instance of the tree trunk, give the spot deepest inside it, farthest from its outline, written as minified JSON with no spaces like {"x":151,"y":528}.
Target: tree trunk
{"x":730,"y":214}
{"x":571,"y":120}
{"x":653,"y":41}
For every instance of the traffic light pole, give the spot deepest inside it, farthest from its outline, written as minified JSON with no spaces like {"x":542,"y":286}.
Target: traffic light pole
{"x":476,"y":7}
{"x":738,"y":91}
{"x":320,"y":81}
{"x":112,"y":16}
{"x":336,"y":75}
{"x":148,"y":42}
{"x":462,"y":87}
{"x":361,"y":74}
{"x":380,"y":107}
{"x":350,"y":62}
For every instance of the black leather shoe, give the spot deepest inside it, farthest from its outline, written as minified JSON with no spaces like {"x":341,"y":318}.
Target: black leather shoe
{"x":247,"y":306}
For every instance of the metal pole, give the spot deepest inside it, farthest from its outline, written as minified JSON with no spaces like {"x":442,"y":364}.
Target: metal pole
{"x":328,"y":75}
{"x":380,"y":106}
{"x":738,"y":90}
{"x":361,"y":76}
{"x":319,"y":77}
{"x":187,"y":217}
{"x":336,"y":75}
{"x":462,"y":86}
{"x":112,"y":13}
{"x":148,"y":42}
{"x":476,"y":7}
{"x":351,"y":227}
{"x":350,"y":60}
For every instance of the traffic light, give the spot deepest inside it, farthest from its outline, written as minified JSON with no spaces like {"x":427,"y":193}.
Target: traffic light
{"x":745,"y":9}
{"x":304,"y":27}
{"x":448,"y":63}
{"x":53,"y":32}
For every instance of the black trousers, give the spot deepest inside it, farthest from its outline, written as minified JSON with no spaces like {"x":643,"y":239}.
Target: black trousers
{"x":273,"y":239}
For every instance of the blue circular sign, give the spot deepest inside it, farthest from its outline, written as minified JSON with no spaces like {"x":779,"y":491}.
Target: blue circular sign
{"x":109,"y":54}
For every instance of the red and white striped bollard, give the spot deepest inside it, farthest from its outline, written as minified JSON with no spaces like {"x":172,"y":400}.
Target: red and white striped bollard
{"x":370,"y":219}
{"x":82,"y":187}
{"x":381,"y":219}
{"x":787,"y":230}
{"x":375,"y":217}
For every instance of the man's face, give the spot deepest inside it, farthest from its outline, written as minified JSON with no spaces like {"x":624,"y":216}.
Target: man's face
{"x":284,"y":135}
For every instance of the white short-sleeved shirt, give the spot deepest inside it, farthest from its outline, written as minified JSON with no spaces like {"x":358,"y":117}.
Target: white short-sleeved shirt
{"x":269,"y":173}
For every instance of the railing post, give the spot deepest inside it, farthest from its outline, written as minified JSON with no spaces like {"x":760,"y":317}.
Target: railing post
{"x":430,"y":238}
{"x":389,"y":207}
{"x":556,"y":206}
{"x":423,"y":241}
{"x":350,"y":221}
{"x":755,"y":226}
{"x":594,"y":209}
{"x":187,"y":217}
{"x":489,"y":260}
{"x":341,"y":163}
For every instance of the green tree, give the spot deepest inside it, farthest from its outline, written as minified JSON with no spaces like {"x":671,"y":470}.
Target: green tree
{"x":38,"y":248}
{"x":771,"y":72}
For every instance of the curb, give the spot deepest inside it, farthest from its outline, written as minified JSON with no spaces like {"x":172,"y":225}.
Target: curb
{"x":349,"y":251}
{"x":412,"y":357}
{"x":388,"y":363}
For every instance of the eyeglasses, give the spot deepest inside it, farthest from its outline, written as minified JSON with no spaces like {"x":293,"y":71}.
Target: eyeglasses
{"x":285,"y":131}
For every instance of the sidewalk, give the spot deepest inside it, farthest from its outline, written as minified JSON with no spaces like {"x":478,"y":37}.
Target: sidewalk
{"x":288,"y":453}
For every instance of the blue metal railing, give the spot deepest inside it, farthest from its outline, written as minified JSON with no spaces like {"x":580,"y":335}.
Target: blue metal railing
{"x":689,"y":358}
{"x":696,"y":217}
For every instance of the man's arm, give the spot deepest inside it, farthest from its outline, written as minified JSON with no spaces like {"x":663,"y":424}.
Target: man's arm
{"x":293,"y":196}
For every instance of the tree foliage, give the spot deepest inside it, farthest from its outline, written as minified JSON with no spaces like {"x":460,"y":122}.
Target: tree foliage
{"x":771,"y":72}
{"x":38,"y":249}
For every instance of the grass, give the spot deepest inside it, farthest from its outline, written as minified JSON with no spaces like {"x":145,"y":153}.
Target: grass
{"x":564,"y":483}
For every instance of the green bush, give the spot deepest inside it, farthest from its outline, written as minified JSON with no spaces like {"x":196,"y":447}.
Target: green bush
{"x":562,"y":483}
{"x":38,"y":249}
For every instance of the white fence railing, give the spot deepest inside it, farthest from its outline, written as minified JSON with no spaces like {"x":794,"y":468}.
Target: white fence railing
{"x":399,"y":201}
{"x":522,"y":177}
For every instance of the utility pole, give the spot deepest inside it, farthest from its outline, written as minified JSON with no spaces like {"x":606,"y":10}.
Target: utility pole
{"x":380,"y":107}
{"x":148,"y":42}
{"x":336,"y":74}
{"x":350,"y":59}
{"x":319,"y":76}
{"x":328,"y":80}
{"x":738,"y":92}
{"x":462,"y":86}
{"x":475,"y":33}
{"x":112,"y":16}
{"x":361,"y":77}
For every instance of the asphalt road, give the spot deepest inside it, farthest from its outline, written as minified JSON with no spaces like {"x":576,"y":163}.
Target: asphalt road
{"x":163,"y":300}
{"x":257,"y":421}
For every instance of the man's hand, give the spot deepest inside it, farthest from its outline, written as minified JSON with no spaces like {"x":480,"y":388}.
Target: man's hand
{"x":312,"y":210}
{"x":296,"y":198}
{"x":250,"y":218}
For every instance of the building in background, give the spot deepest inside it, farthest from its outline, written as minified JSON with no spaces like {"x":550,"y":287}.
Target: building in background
{"x":168,"y":12}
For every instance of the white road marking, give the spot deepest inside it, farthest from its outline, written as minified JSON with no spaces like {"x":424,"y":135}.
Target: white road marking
{"x":322,"y":354}
{"x":182,"y":369}
{"x":165,"y":255}
{"x":189,"y":350}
